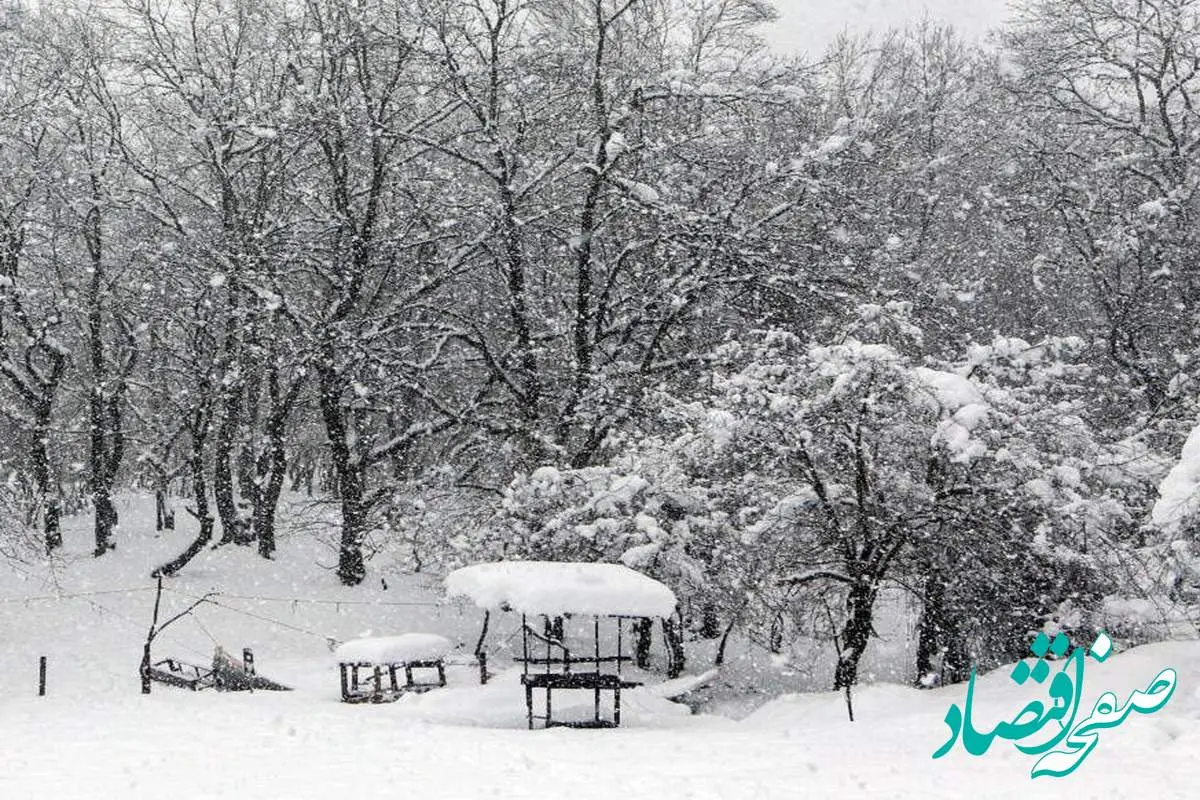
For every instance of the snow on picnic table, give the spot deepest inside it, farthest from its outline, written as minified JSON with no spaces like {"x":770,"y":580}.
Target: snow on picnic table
{"x":394,"y":649}
{"x":557,"y":588}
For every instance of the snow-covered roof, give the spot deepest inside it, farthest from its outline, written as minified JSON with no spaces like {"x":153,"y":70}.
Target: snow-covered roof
{"x":556,"y":588}
{"x":393,"y":649}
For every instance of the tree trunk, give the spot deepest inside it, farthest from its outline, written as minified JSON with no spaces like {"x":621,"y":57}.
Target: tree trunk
{"x":271,"y":466}
{"x":271,"y":472}
{"x":199,"y":429}
{"x":47,"y":492}
{"x":104,"y":398}
{"x":352,"y":568}
{"x":247,"y":455}
{"x":100,"y":475}
{"x":106,"y":520}
{"x":108,"y":449}
{"x":939,"y":633}
{"x":232,"y":525}
{"x":855,"y":633}
{"x":673,"y":637}
{"x":930,"y":629}
{"x":160,"y":509}
{"x":641,"y":642}
{"x":231,"y":391}
{"x":351,"y":478}
{"x":207,"y":523}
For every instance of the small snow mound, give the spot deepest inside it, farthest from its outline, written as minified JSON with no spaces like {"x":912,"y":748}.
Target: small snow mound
{"x":952,"y":391}
{"x":641,"y":556}
{"x":965,"y":406}
{"x":641,"y":192}
{"x":1154,"y":208}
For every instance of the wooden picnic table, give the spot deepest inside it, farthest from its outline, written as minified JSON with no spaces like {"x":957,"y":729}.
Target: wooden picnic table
{"x":382,"y":656}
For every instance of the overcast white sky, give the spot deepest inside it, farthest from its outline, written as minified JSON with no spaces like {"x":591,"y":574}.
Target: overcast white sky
{"x":809,"y":25}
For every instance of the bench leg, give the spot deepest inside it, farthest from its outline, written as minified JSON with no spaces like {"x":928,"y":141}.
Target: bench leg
{"x":529,"y":704}
{"x":617,"y":706}
{"x":441,"y":668}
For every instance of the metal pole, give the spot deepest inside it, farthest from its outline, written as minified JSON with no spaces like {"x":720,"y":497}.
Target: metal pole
{"x":596,"y":694}
{"x":620,"y":621}
{"x":525,"y":642}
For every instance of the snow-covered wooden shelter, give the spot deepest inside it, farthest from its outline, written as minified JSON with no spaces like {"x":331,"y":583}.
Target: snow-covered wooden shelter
{"x":607,"y":593}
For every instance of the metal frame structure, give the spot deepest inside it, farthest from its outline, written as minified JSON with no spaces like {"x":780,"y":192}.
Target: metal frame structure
{"x":376,"y":691}
{"x":557,"y":663}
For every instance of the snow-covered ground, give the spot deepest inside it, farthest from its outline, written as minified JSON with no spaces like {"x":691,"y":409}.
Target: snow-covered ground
{"x":95,"y":736}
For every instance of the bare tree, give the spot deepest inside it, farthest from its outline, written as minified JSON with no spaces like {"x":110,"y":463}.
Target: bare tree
{"x":33,"y":359}
{"x":370,"y":262}
{"x":1110,"y":89}
{"x":92,"y":129}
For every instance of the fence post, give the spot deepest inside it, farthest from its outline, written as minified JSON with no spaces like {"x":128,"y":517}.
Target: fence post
{"x":42,"y":677}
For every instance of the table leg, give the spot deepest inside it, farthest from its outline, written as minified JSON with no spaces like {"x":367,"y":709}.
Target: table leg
{"x":529,"y":704}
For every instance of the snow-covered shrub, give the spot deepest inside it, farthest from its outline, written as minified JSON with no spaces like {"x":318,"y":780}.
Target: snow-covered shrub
{"x":1014,"y":556}
{"x":852,"y":463}
{"x":623,"y":513}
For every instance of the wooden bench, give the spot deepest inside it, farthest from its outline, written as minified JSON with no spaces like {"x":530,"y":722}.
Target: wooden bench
{"x":597,"y":682}
{"x":374,"y":690}
{"x":388,"y":655}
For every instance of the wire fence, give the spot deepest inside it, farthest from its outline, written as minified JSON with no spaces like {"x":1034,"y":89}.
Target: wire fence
{"x":221,"y":601}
